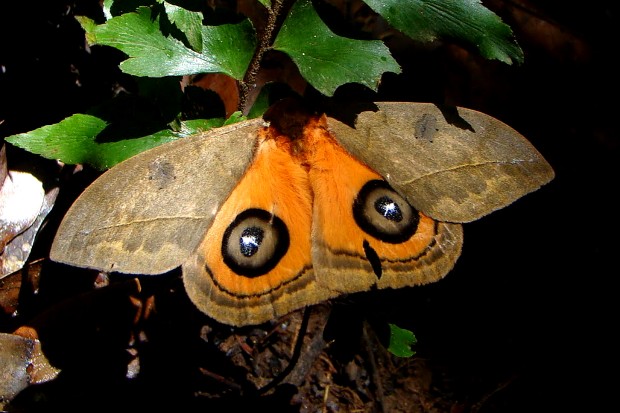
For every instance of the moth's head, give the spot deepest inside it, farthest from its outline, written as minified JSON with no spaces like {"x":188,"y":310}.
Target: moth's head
{"x":289,"y":117}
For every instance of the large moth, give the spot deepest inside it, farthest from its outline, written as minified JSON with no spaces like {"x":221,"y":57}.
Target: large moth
{"x":267,"y":218}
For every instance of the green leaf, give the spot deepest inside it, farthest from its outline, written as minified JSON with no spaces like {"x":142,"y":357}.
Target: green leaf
{"x":117,"y":7}
{"x":235,"y":117}
{"x":225,"y":49}
{"x":73,"y":140}
{"x":107,"y":8}
{"x":189,"y":22}
{"x":89,"y":26}
{"x":326,"y":60}
{"x":466,"y":20}
{"x":266,"y":3}
{"x":261,"y":104}
{"x":401,"y":341}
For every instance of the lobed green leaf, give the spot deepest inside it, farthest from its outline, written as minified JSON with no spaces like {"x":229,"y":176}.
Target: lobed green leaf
{"x":466,"y":20}
{"x":74,"y":140}
{"x":225,"y":49}
{"x":189,"y":22}
{"x":327,"y":60}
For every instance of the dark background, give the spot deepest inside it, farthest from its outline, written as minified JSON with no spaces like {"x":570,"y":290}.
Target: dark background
{"x":532,"y":301}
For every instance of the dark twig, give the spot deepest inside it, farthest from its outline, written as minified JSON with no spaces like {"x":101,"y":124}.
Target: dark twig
{"x":296,"y":353}
{"x":370,"y":342}
{"x":265,"y":40}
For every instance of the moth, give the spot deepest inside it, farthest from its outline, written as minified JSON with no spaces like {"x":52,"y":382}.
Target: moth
{"x":268,"y":217}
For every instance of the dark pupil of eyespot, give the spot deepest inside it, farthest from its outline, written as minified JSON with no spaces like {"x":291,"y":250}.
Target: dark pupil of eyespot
{"x":250,"y":240}
{"x":389,"y":209}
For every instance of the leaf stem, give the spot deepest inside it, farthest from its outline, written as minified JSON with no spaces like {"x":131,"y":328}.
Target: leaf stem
{"x":264,"y":44}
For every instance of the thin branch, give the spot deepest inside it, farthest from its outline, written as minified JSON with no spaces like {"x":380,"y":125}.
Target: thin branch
{"x":265,"y":40}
